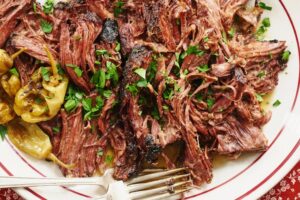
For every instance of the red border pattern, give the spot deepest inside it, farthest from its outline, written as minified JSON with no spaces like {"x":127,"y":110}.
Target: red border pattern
{"x":206,"y":191}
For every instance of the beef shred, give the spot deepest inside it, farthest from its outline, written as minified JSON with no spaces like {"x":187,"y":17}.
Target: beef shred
{"x":157,"y":73}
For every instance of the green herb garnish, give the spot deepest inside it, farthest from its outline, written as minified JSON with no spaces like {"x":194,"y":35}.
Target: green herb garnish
{"x":259,"y":97}
{"x":203,"y":68}
{"x":99,"y":79}
{"x":76,"y":69}
{"x":14,"y":71}
{"x":286,"y":56}
{"x":73,"y":98}
{"x":264,"y":6}
{"x":265,"y":24}
{"x":34,"y":7}
{"x":101,"y":52}
{"x":210,"y":102}
{"x":132,"y":89}
{"x":192,"y":50}
{"x":3,"y":132}
{"x":141,"y":72}
{"x":276,"y":103}
{"x":112,"y":72}
{"x":56,"y":129}
{"x":261,"y":74}
{"x":100,"y":152}
{"x":45,"y":73}
{"x":118,"y":8}
{"x":48,"y":7}
{"x":231,"y":32}
{"x":46,"y":26}
{"x":118,"y":46}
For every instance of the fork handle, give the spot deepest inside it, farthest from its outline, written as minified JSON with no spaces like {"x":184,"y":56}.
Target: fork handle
{"x":14,"y":182}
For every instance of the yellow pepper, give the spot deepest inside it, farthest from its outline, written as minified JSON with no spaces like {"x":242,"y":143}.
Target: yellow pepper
{"x":42,"y":98}
{"x":7,"y":61}
{"x":6,"y":111}
{"x":10,"y":84}
{"x":30,"y":139}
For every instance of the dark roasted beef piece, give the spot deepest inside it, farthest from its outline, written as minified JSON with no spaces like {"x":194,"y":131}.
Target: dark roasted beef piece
{"x":10,"y":13}
{"x":78,"y":145}
{"x":76,"y":46}
{"x":240,"y":137}
{"x":110,"y":31}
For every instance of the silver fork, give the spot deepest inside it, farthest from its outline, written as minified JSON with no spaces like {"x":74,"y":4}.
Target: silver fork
{"x":150,"y":185}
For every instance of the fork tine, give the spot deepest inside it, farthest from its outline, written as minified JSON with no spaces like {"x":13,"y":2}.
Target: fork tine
{"x":146,"y":193}
{"x":154,"y":175}
{"x":167,"y":194}
{"x":166,"y":181}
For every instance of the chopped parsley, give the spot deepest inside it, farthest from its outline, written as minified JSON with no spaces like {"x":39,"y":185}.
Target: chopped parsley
{"x":101,"y":52}
{"x":118,"y":46}
{"x":48,"y":7}
{"x":286,"y":56}
{"x":109,"y":159}
{"x":45,"y":73}
{"x":100,"y":152}
{"x":224,"y":37}
{"x":276,"y":103}
{"x":99,"y":79}
{"x":38,"y":100}
{"x":261,"y":74}
{"x":151,"y":70}
{"x":177,"y":62}
{"x":165,"y":107}
{"x":210,"y":102}
{"x":46,"y":26}
{"x":90,"y":110}
{"x":70,"y":105}
{"x":14,"y":71}
{"x":76,"y":69}
{"x":118,"y":8}
{"x":141,"y":72}
{"x":34,"y":7}
{"x":56,"y":129}
{"x":205,"y":39}
{"x":142,"y":83}
{"x":132,"y":89}
{"x":3,"y":132}
{"x":259,"y":97}
{"x":192,"y":50}
{"x":265,"y":24}
{"x":112,"y":72}
{"x":264,"y":6}
{"x":155,"y":113}
{"x":73,"y":97}
{"x":168,"y":93}
{"x":203,"y":68}
{"x":107,"y":93}
{"x":231,"y":32}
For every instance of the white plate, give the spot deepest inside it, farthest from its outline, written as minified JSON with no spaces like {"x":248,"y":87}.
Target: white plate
{"x":251,"y":175}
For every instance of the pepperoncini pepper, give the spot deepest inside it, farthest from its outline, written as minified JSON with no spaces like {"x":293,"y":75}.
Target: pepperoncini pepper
{"x":7,"y":61}
{"x":10,"y":84}
{"x":41,"y":99}
{"x":30,"y":139}
{"x":6,"y":111}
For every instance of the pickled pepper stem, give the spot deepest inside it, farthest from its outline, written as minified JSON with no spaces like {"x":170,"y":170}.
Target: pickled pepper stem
{"x":52,"y":61}
{"x":13,"y":56}
{"x":53,"y":158}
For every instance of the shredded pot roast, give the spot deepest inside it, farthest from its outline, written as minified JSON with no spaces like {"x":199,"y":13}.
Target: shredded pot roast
{"x":142,"y":77}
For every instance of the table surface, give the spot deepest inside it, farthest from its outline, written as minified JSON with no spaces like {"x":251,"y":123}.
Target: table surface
{"x":287,"y":189}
